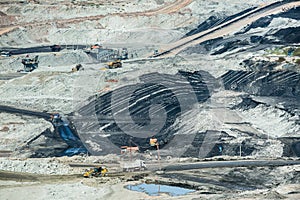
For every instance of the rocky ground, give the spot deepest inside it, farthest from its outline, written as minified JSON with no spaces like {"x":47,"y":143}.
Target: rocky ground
{"x":239,"y":98}
{"x":213,"y":183}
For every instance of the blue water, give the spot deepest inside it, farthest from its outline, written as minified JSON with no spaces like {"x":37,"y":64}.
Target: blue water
{"x":156,"y":189}
{"x":75,"y":151}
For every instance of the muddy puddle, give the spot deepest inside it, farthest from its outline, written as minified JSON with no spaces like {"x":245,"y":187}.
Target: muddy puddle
{"x":157,"y":189}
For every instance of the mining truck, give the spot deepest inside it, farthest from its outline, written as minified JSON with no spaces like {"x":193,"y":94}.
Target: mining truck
{"x":55,"y":47}
{"x":5,"y":53}
{"x":131,"y":166}
{"x":114,"y":64}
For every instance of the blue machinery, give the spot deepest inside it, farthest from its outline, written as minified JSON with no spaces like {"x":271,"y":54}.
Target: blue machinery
{"x":62,"y":126}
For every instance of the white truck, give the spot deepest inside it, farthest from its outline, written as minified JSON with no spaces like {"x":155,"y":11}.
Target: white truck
{"x":136,"y":165}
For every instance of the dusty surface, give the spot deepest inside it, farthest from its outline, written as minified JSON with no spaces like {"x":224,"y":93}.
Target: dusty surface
{"x":217,"y":183}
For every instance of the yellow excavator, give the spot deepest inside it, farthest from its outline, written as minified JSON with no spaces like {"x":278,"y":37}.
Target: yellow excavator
{"x":96,"y":172}
{"x":114,"y":64}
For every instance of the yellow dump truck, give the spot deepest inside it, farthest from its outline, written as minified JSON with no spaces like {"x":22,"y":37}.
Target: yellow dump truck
{"x":114,"y":64}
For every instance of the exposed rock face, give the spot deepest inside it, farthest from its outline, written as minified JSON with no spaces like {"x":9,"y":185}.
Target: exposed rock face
{"x":279,"y":29}
{"x":245,"y":137}
{"x":233,"y":97}
{"x":214,"y":21}
{"x":274,"y":83}
{"x":288,"y":35}
{"x":149,"y":108}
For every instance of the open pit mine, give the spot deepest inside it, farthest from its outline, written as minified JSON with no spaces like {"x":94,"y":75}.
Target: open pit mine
{"x":142,"y":99}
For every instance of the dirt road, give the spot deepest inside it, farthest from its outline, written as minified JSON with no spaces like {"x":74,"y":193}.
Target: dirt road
{"x":236,"y":163}
{"x":10,"y":76}
{"x":20,"y":176}
{"x":174,"y":7}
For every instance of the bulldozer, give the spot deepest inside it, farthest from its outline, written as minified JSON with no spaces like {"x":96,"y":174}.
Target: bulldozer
{"x":96,"y":172}
{"x":114,"y":64}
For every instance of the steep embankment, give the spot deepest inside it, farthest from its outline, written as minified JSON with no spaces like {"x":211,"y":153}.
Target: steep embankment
{"x":263,"y":33}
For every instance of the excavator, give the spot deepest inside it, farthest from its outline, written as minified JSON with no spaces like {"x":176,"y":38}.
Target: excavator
{"x":96,"y":172}
{"x":29,"y":64}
